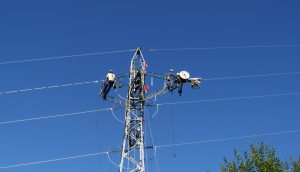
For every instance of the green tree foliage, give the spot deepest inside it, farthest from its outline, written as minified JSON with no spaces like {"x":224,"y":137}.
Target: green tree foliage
{"x":261,"y":158}
{"x":296,"y":165}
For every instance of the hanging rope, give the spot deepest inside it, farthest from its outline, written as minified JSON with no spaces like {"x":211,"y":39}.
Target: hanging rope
{"x":99,"y":140}
{"x":146,"y":152}
{"x":152,"y":140}
{"x":173,"y":131}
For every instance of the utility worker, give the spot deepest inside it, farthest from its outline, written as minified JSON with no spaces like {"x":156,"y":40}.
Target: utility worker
{"x":195,"y":83}
{"x":170,"y":78}
{"x":110,"y":81}
{"x":137,"y":81}
{"x":180,"y":80}
{"x":179,"y":83}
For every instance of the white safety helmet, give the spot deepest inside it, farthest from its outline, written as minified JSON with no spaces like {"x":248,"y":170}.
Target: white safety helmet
{"x":184,"y":75}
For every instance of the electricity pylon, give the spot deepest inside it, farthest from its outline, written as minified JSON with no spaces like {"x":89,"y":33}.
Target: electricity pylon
{"x":134,"y":116}
{"x":134,"y":104}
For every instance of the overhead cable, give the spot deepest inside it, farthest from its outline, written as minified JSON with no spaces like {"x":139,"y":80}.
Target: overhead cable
{"x":157,"y":147}
{"x":98,"y":81}
{"x":230,"y":138}
{"x":230,"y":98}
{"x":53,"y":160}
{"x":115,"y":164}
{"x":251,"y":76}
{"x":161,"y":104}
{"x":54,"y":116}
{"x":225,"y":47}
{"x":49,"y":87}
{"x":63,"y":57}
{"x":153,"y":49}
{"x":115,"y":116}
{"x":157,"y":108}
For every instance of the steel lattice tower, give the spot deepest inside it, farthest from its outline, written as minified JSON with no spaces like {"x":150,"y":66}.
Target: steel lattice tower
{"x":133,"y":148}
{"x":134,"y":116}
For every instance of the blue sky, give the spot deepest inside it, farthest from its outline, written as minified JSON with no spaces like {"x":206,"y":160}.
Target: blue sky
{"x":39,"y":29}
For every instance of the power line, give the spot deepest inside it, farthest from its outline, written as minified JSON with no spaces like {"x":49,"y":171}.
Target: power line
{"x":53,"y":160}
{"x":155,"y":147}
{"x":229,"y":138}
{"x":153,"y":49}
{"x":49,"y":87}
{"x":230,"y":98}
{"x":97,"y":81}
{"x":161,"y":104}
{"x":252,"y":76}
{"x":225,"y":47}
{"x":63,"y":57}
{"x":54,"y":116}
